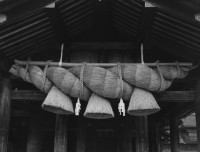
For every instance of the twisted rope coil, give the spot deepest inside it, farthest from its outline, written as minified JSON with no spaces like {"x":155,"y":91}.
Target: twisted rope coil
{"x":108,"y":82}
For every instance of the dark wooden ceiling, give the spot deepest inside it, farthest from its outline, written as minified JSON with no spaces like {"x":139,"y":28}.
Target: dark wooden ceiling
{"x":31,"y":29}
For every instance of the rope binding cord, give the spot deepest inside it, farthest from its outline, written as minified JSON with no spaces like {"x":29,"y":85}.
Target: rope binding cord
{"x":161,"y":76}
{"x":121,"y":105}
{"x":178,"y":69}
{"x":44,"y":75}
{"x":26,"y":68}
{"x":78,"y":103}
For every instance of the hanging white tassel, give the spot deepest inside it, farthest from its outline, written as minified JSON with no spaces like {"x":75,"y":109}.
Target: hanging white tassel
{"x":78,"y":107}
{"x":121,"y":107}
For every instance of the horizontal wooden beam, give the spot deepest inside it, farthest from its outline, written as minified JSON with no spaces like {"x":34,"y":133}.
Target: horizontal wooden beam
{"x":28,"y":95}
{"x":167,"y":96}
{"x":103,"y":46}
{"x":176,"y":96}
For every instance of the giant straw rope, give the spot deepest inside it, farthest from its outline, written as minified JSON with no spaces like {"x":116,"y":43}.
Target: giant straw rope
{"x":102,"y":81}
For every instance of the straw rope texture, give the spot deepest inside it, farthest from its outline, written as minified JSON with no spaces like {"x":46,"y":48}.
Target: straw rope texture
{"x":103,"y":82}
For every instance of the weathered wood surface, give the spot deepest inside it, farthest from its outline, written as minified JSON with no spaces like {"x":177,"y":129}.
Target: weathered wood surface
{"x":127,"y":135}
{"x":174,"y":133}
{"x":35,"y":134}
{"x":157,"y":136}
{"x":5,"y":108}
{"x":103,"y":46}
{"x":197,"y":110}
{"x":167,"y":96}
{"x":81,"y":135}
{"x":15,"y":9}
{"x":141,"y":134}
{"x":60,"y":141}
{"x":179,"y":8}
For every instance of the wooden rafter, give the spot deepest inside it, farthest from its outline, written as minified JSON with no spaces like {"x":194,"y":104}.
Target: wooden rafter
{"x":15,"y":9}
{"x":183,"y":9}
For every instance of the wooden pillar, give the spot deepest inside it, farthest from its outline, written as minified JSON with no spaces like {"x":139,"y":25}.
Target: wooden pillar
{"x":5,"y":109}
{"x":35,"y":134}
{"x":60,"y":141}
{"x":158,"y":142}
{"x":152,"y":136}
{"x":90,"y":137}
{"x":127,"y":136}
{"x":81,"y":135}
{"x":174,"y":133}
{"x":141,"y":134}
{"x":197,"y":111}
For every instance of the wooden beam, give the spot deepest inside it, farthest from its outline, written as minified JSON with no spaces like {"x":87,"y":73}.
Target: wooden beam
{"x":103,"y":46}
{"x":176,"y":96}
{"x":28,"y":95}
{"x":174,"y":133}
{"x":197,"y":110}
{"x":60,"y":142}
{"x":167,"y":96}
{"x":5,"y":109}
{"x":16,"y":9}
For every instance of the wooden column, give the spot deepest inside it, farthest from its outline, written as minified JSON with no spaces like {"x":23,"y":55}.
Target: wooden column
{"x":141,"y":134}
{"x":127,"y":136}
{"x":152,"y":136}
{"x":60,"y":142}
{"x":5,"y":109}
{"x":81,"y":135}
{"x":174,"y":133}
{"x":158,"y":142}
{"x":35,"y":133}
{"x":197,"y":110}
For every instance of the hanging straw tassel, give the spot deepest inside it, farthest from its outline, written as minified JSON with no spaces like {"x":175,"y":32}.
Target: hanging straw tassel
{"x":98,"y":108}
{"x":142,"y":103}
{"x":57,"y":102}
